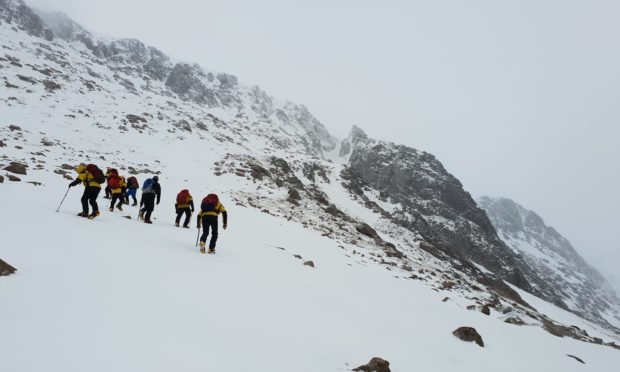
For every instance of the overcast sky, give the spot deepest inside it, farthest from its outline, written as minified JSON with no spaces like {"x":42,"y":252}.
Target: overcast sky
{"x":517,"y":98}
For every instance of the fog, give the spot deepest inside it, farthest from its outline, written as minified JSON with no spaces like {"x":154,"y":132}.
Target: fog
{"x":517,"y":99}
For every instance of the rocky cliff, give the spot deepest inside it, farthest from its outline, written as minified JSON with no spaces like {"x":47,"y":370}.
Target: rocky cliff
{"x":581,"y":288}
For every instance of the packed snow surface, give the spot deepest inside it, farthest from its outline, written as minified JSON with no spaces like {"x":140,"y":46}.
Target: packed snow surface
{"x":113,"y":294}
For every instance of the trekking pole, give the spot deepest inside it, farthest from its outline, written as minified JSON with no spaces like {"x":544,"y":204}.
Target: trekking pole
{"x":197,"y":237}
{"x":63,"y":199}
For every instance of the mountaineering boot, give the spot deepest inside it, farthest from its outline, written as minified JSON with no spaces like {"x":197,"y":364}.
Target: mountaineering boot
{"x":141,"y":215}
{"x":148,"y":221}
{"x":82,"y":214}
{"x":185,"y":226}
{"x":134,"y":204}
{"x":93,"y":215}
{"x":176,"y":224}
{"x":119,"y":207}
{"x":202,"y":247}
{"x":211,"y":250}
{"x":111,"y":209}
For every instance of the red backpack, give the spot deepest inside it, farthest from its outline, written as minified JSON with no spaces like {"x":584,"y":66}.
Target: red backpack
{"x":114,"y":182}
{"x":209,"y":202}
{"x":133,"y":183}
{"x":183,"y":197}
{"x":97,"y":173}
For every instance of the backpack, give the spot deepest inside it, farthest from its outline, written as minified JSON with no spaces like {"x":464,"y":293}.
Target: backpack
{"x":98,"y":175}
{"x":209,"y":202}
{"x":147,"y":186}
{"x":114,"y":182}
{"x":183,"y":197}
{"x":133,"y":183}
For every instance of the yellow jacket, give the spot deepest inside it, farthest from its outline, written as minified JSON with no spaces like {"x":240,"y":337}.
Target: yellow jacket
{"x":219,"y":208}
{"x":122,"y":183}
{"x":86,"y":177}
{"x":190,"y":202}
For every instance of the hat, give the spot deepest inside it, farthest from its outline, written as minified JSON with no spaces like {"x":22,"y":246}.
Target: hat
{"x":155,"y":178}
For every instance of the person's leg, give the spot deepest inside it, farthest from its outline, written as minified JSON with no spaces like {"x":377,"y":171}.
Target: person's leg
{"x":149,"y":206}
{"x":92,"y":198}
{"x":205,"y":230}
{"x":213,"y":223}
{"x":114,"y":197}
{"x":188,"y":216}
{"x":179,"y":214}
{"x":84,"y":200}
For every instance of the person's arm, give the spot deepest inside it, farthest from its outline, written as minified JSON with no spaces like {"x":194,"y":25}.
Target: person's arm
{"x":76,"y":182}
{"x":222,"y":210}
{"x":198,"y":219}
{"x":191,"y":204}
{"x":158,"y":192}
{"x":141,"y":200}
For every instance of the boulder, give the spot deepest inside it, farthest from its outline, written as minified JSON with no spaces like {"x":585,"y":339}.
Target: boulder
{"x":14,"y":128}
{"x":293,"y":194}
{"x":1,"y":179}
{"x":365,"y":229}
{"x":375,"y":365}
{"x":486,"y":310}
{"x":515,"y":321}
{"x":13,"y":178}
{"x":17,"y":168}
{"x":309,"y":263}
{"x":468,"y":334}
{"x":6,"y":269}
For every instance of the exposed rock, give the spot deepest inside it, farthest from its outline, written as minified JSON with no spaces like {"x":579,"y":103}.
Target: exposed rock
{"x":468,"y":334}
{"x":1,"y":179}
{"x":515,"y":321}
{"x":48,"y":143}
{"x":24,"y":18}
{"x":2,"y":144}
{"x":576,"y":358}
{"x":6,"y":269}
{"x":17,"y":168}
{"x":365,"y":229}
{"x":486,"y":310}
{"x":14,"y":128}
{"x":375,"y":365}
{"x":134,"y":119}
{"x":564,"y":331}
{"x":309,"y":263}
{"x":67,"y":167}
{"x":51,"y":86}
{"x":13,"y":178}
{"x":294,"y":194}
{"x":526,"y":232}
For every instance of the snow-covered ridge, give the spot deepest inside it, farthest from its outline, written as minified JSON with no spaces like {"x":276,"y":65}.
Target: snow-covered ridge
{"x":582,"y":289}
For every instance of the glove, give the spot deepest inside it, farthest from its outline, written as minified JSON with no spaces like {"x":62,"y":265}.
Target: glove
{"x":225,"y":226}
{"x":198,"y":227}
{"x":71,"y":185}
{"x":158,"y":202}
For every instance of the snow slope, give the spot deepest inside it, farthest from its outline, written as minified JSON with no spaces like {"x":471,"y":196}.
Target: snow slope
{"x":115,"y":294}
